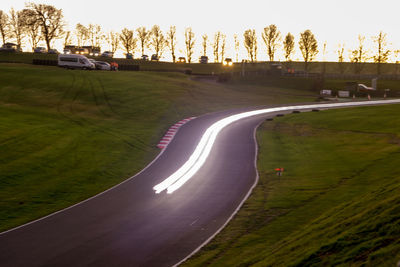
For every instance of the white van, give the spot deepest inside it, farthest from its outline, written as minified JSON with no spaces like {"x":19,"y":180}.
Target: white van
{"x":73,"y":61}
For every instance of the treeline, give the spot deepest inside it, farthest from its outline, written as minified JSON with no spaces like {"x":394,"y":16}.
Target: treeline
{"x":41,"y":22}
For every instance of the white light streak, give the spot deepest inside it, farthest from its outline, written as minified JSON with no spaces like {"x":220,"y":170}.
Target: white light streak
{"x":203,"y":148}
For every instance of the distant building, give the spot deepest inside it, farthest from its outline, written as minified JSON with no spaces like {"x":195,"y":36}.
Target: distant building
{"x":83,"y":50}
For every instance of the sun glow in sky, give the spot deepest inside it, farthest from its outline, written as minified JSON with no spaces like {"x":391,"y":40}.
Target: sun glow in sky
{"x":334,"y":21}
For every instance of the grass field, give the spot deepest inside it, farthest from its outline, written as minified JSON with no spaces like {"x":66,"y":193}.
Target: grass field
{"x":67,"y":135}
{"x":337,"y":203}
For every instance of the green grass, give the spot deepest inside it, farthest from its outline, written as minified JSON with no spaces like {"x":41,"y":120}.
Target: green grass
{"x":26,"y":58}
{"x":66,"y":135}
{"x":337,"y":202}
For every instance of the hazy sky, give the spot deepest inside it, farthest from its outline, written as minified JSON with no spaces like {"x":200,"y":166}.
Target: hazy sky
{"x":333,"y":21}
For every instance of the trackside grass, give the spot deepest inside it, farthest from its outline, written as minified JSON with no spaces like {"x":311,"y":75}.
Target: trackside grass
{"x":337,"y":203}
{"x":67,"y":135}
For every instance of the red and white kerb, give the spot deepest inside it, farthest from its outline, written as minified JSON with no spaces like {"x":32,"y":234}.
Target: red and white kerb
{"x":169,"y":135}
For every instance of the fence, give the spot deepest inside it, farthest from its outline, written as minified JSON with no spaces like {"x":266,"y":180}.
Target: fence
{"x":361,"y":76}
{"x":334,"y":76}
{"x":129,"y":67}
{"x":47,"y":62}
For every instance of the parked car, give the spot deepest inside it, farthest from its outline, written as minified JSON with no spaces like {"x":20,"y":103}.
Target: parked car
{"x":154,"y":57}
{"x":145,"y":57}
{"x":80,"y":51}
{"x":128,"y":56}
{"x":227,"y":62}
{"x":107,"y":54}
{"x":40,"y":49}
{"x":67,"y":51}
{"x":203,"y":59}
{"x":75,"y":61}
{"x":102,"y":65}
{"x":10,"y":47}
{"x":53,"y":51}
{"x":181,"y":60}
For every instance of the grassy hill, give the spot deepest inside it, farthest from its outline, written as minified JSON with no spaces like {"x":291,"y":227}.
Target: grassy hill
{"x":337,"y":203}
{"x":67,"y":135}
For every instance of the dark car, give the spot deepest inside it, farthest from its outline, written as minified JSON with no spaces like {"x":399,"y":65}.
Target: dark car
{"x":53,"y":51}
{"x":154,"y":57}
{"x":181,"y":60}
{"x":40,"y":50}
{"x":227,"y":62}
{"x":203,"y":59}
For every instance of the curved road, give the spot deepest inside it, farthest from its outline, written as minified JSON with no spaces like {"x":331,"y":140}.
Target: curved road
{"x":130,"y":225}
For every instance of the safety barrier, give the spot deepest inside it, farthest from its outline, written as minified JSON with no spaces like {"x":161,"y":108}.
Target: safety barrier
{"x":46,"y":62}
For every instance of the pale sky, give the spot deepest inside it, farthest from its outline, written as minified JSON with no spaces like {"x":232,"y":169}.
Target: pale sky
{"x":333,"y":21}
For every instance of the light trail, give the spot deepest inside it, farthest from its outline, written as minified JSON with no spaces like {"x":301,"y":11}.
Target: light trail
{"x":203,"y":148}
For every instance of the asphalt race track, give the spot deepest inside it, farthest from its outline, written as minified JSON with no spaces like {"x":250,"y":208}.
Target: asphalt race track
{"x":131,"y":225}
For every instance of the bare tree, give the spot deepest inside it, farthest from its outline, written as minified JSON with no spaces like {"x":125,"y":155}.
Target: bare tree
{"x":143,"y":36}
{"x":189,"y":42}
{"x":396,"y":55}
{"x":288,"y":46}
{"x":308,"y":46}
{"x":50,"y":20}
{"x":223,"y":47}
{"x":17,"y":26}
{"x":171,"y":40}
{"x":255,"y":49}
{"x":237,"y":45}
{"x":4,"y":26}
{"x":250,"y":42}
{"x":128,"y":41}
{"x":382,"y":53}
{"x":82,"y":34}
{"x":95,"y":35}
{"x":340,"y":53}
{"x":157,"y":40}
{"x":324,"y":58}
{"x":67,"y":38}
{"x":271,"y":37}
{"x":112,"y":39}
{"x":205,"y":44}
{"x":32,"y":27}
{"x":216,"y":45}
{"x":359,"y":55}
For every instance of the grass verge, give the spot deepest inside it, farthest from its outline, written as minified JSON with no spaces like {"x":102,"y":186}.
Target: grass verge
{"x":337,"y":202}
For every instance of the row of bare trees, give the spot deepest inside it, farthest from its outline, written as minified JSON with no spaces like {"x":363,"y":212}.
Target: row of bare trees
{"x":40,"y":22}
{"x":309,"y":47}
{"x":36,"y":22}
{"x":153,"y":38}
